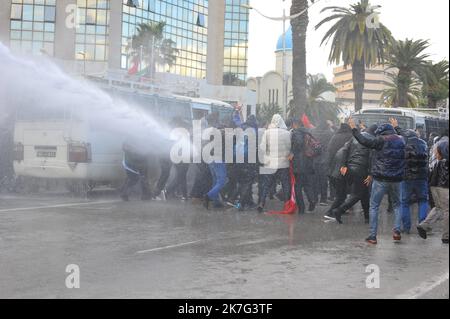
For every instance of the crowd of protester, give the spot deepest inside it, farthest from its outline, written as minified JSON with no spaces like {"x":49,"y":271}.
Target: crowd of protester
{"x":334,"y":167}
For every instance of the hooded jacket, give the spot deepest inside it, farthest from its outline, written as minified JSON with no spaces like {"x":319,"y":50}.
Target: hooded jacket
{"x":302,"y":164}
{"x":276,"y":146}
{"x":439,"y":172}
{"x":342,"y":136}
{"x":416,"y":154}
{"x":388,"y":162}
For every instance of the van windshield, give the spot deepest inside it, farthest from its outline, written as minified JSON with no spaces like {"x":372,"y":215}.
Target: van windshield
{"x":369,"y":119}
{"x":36,"y":113}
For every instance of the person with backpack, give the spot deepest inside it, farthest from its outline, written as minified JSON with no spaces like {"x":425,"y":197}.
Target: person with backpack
{"x":305,"y":148}
{"x":388,"y":168}
{"x":416,"y":175}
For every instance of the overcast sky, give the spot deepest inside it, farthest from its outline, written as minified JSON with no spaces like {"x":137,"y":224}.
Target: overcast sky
{"x":415,"y":19}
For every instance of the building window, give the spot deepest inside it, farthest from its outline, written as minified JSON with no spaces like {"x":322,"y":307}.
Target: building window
{"x":92,"y":33}
{"x":32,"y":24}
{"x":201,"y":20}
{"x":236,"y":43}
{"x":273,"y":97}
{"x":186,"y":25}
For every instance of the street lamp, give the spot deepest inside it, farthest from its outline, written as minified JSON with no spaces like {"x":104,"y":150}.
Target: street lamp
{"x":283,"y":18}
{"x":84,"y":61}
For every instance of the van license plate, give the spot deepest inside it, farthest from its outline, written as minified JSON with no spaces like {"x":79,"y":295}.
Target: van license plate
{"x":45,"y":154}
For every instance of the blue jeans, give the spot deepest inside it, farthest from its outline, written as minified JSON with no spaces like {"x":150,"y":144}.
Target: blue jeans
{"x":219,"y":176}
{"x":420,"y":189}
{"x":379,"y":189}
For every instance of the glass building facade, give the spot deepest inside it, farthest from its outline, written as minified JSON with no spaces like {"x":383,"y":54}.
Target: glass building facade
{"x":236,"y":42}
{"x":92,"y":31}
{"x":32,"y":26}
{"x":34,"y":23}
{"x":186,"y":25}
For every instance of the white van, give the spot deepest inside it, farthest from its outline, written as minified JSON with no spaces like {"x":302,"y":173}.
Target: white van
{"x":407,"y":118}
{"x":64,"y":146}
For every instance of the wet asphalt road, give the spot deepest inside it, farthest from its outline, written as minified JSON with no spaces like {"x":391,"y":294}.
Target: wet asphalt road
{"x":180,"y":250}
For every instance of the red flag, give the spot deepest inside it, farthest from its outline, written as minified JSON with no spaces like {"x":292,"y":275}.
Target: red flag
{"x":134,"y":67}
{"x":290,"y":207}
{"x":306,"y":122}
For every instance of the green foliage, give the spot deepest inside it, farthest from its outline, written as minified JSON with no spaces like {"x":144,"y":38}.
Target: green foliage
{"x":390,"y":97}
{"x":436,"y":83}
{"x":408,"y":56}
{"x":351,"y":39}
{"x":317,"y":107}
{"x":265,"y":112}
{"x":156,"y":50}
{"x":409,"y":59}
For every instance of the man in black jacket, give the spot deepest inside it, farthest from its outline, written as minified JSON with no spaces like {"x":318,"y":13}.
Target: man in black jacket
{"x":355,"y":166}
{"x":337,"y":181}
{"x":323,"y":134}
{"x":416,"y":175}
{"x":303,"y":168}
{"x":439,"y":188}
{"x":388,"y":167}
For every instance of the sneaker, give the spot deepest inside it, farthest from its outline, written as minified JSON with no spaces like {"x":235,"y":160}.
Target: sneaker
{"x":397,"y":236}
{"x":338,"y":215}
{"x":330,"y":215}
{"x":371,"y":240}
{"x":445,"y":241}
{"x":422,"y":232}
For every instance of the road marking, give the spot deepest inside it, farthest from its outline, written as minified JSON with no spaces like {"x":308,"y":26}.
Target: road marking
{"x":168,"y":247}
{"x":424,"y":288}
{"x":186,"y":244}
{"x":57,"y":206}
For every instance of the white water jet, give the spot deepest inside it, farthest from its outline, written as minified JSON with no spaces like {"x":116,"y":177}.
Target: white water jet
{"x":37,"y":84}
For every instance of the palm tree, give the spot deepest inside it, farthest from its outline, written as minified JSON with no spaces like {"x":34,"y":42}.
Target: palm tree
{"x":317,"y":85}
{"x":318,"y":108}
{"x":299,"y":28}
{"x":409,"y":59}
{"x":391,"y":95}
{"x":436,"y":83}
{"x":149,"y":46}
{"x":267,"y":111}
{"x":356,"y":43}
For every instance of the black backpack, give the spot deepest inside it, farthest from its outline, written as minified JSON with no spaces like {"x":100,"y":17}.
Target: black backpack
{"x":313,"y":147}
